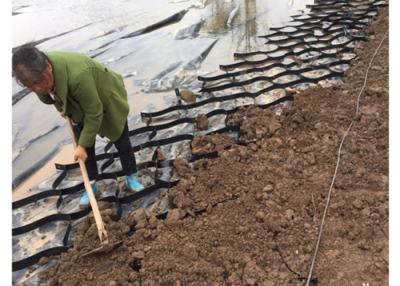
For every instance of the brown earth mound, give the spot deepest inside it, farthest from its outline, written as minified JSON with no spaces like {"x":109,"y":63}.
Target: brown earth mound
{"x":251,"y":216}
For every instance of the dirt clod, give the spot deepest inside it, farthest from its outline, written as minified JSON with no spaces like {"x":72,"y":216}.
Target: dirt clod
{"x":202,"y":122}
{"x":188,"y":95}
{"x":174,"y":216}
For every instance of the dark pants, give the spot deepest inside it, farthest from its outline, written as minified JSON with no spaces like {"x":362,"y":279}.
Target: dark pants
{"x":125,"y":153}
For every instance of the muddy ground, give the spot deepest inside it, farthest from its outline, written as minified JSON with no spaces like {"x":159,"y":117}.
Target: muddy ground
{"x":251,"y":216}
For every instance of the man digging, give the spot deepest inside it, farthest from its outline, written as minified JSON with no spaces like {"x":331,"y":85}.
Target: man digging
{"x":92,"y":96}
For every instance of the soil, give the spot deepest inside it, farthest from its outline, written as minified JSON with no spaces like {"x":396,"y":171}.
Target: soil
{"x":252,"y":216}
{"x":202,"y":122}
{"x":187,"y":95}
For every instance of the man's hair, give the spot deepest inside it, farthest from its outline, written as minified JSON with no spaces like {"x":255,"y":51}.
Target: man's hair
{"x":28,"y":65}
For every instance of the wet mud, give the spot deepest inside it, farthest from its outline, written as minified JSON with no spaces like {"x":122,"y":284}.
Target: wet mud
{"x":251,"y":216}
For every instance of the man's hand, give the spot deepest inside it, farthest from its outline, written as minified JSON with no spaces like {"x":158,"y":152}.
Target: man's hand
{"x":80,"y":153}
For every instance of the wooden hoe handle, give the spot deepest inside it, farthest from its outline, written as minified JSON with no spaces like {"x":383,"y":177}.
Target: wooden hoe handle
{"x":103,"y":236}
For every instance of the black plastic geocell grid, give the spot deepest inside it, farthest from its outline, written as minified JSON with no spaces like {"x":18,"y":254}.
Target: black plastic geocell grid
{"x":317,"y":41}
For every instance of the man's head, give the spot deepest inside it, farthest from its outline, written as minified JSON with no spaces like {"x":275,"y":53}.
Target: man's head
{"x":32,"y":69}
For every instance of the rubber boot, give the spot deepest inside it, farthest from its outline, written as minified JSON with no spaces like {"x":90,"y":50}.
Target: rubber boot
{"x":133,"y":184}
{"x":84,"y":201}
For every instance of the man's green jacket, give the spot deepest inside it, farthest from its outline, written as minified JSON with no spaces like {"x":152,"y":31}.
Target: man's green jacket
{"x":89,"y":94}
